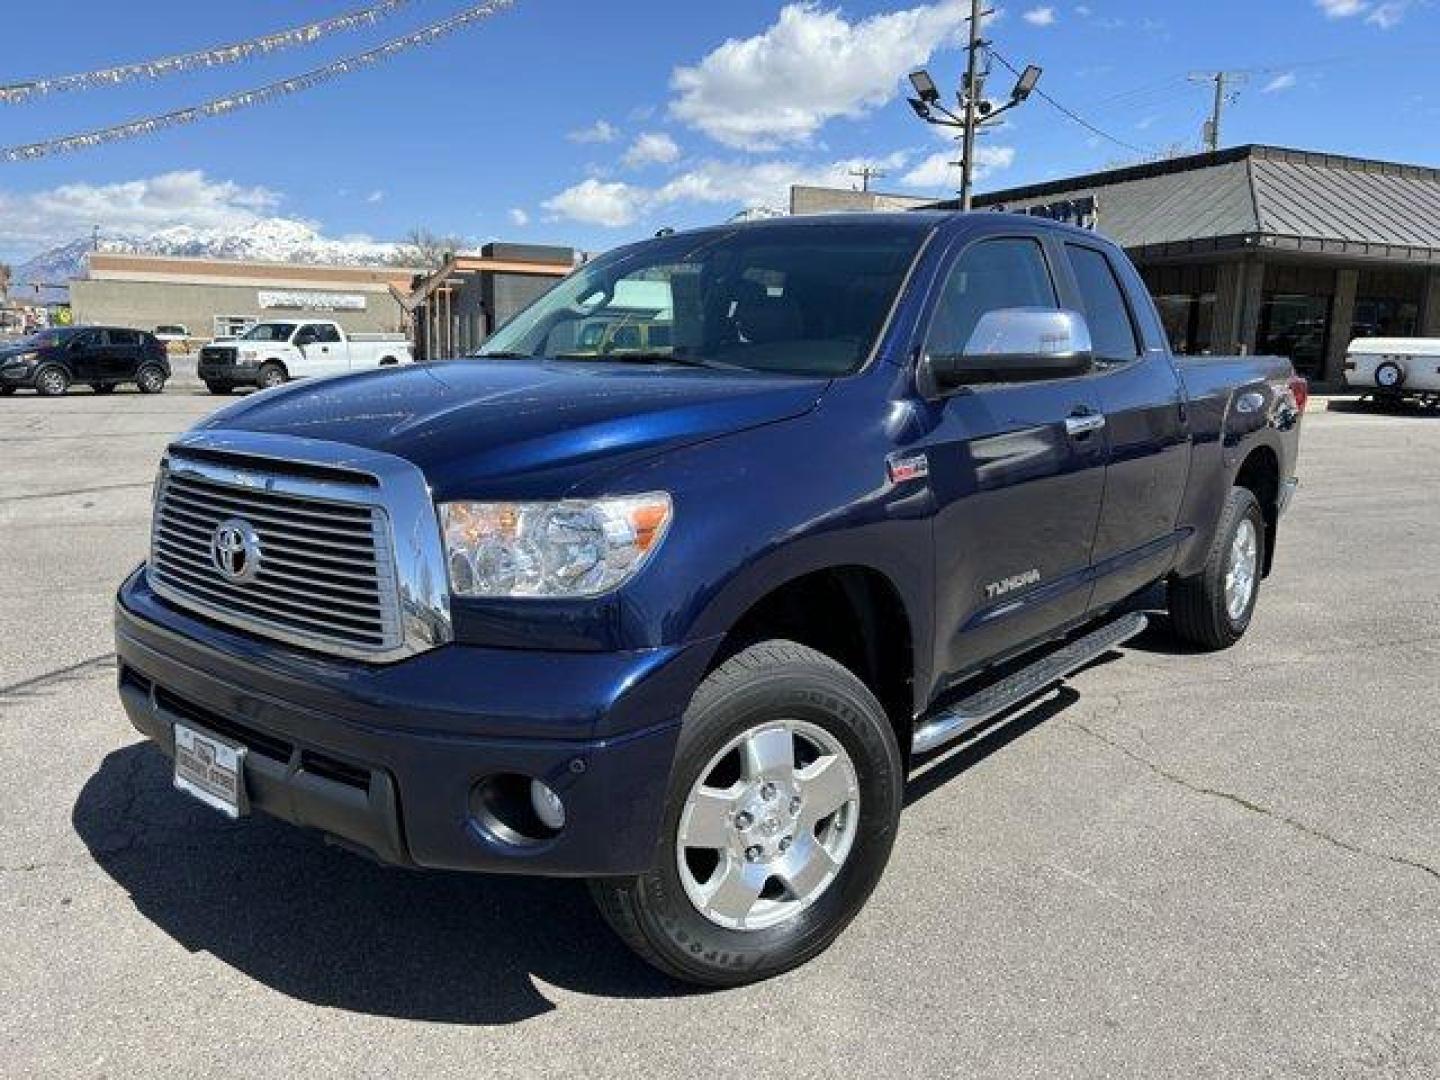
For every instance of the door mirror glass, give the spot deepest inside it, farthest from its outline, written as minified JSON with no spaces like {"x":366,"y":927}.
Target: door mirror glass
{"x":1018,"y":345}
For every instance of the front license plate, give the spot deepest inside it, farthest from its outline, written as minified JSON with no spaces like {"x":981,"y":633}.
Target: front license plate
{"x":210,"y":768}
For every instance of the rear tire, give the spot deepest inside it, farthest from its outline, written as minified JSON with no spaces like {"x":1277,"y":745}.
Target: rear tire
{"x":800,"y":869}
{"x":1212,"y":609}
{"x":271,"y":375}
{"x":150,"y":379}
{"x":6,"y":391}
{"x":51,"y":381}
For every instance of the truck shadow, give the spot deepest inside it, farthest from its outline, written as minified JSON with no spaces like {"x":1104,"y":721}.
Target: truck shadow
{"x":333,"y":929}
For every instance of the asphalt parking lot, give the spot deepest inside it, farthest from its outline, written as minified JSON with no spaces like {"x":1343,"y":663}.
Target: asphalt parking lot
{"x":1177,"y":865}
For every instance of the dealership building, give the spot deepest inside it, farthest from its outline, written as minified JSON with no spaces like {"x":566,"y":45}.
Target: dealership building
{"x":447,"y":312}
{"x":221,"y":297}
{"x":1261,"y":249}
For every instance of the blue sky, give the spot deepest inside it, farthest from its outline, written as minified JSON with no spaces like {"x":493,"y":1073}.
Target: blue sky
{"x":593,"y":123}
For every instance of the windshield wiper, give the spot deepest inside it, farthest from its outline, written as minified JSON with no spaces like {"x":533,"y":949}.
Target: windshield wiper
{"x":650,"y":358}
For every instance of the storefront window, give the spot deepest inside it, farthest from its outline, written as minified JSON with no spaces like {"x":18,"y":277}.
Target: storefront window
{"x":1189,"y":321}
{"x":1384,"y":317}
{"x":1185,"y":297}
{"x":1295,"y":326}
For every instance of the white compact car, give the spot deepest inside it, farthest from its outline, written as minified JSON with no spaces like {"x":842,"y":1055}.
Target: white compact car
{"x":1395,"y":368}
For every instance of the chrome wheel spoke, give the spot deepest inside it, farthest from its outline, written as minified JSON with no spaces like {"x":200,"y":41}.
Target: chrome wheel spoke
{"x":735,"y":888}
{"x":806,"y":868}
{"x":708,"y":821}
{"x":769,"y":754}
{"x":824,"y":788}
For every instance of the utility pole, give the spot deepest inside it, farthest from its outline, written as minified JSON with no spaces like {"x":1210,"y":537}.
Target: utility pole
{"x":1221,"y":79}
{"x":972,"y":96}
{"x":867,"y":173}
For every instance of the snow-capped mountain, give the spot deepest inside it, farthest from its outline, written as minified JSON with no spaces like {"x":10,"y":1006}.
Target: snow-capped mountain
{"x":266,"y":240}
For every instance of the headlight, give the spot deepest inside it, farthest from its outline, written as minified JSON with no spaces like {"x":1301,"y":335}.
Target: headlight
{"x":574,"y":548}
{"x":22,"y":358}
{"x":249,"y":355}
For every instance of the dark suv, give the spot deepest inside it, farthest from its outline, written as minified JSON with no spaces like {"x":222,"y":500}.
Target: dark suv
{"x":103,"y":357}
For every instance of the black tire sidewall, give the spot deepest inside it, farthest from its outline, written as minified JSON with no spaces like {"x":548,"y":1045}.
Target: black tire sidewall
{"x":265,"y":370}
{"x":1240,"y":506}
{"x":829,"y":697}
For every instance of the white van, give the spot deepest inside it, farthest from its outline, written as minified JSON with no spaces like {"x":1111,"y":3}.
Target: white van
{"x":1395,"y":367}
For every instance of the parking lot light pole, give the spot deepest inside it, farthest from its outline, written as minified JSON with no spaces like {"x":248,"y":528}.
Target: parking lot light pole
{"x":975,"y":112}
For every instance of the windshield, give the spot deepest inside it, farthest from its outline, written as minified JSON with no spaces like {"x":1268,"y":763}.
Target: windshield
{"x":805,"y":300}
{"x":269,"y":331}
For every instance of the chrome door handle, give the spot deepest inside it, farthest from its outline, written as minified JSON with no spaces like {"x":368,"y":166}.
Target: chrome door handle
{"x":1084,"y":424}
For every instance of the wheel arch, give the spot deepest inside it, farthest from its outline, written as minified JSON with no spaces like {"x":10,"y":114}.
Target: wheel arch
{"x":1259,"y":473}
{"x":853,"y":613}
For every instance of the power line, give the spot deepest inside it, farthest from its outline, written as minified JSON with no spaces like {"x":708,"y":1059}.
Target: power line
{"x":1074,"y":116}
{"x":260,"y":95}
{"x":220,"y":55}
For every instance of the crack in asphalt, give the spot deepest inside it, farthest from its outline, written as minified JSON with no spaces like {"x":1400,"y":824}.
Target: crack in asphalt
{"x":1241,"y":801}
{"x":26,"y":687}
{"x":30,"y":496}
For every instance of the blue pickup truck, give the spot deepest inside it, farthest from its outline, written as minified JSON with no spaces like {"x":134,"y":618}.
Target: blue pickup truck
{"x":678,"y":618}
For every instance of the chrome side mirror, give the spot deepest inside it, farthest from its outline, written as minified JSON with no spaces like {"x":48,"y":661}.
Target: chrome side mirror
{"x":1019,"y":345}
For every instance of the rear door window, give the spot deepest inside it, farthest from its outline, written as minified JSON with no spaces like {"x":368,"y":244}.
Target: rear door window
{"x":1112,"y":331}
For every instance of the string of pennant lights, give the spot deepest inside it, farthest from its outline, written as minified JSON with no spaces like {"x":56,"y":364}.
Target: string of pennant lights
{"x":15,"y":93}
{"x":260,"y":95}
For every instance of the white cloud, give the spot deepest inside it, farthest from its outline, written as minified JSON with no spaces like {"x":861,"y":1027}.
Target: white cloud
{"x":611,"y":204}
{"x":651,"y":148}
{"x":737,"y":182}
{"x":375,"y":196}
{"x":519,"y":217}
{"x":1283,"y":81}
{"x":1083,"y":10}
{"x":35,"y":220}
{"x":1341,"y":9}
{"x":781,"y":86}
{"x":601,"y":131}
{"x":1388,"y":14}
{"x":1040,"y":16}
{"x":936,"y":171}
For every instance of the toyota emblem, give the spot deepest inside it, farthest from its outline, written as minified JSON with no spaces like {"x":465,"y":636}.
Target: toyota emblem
{"x":235,"y":550}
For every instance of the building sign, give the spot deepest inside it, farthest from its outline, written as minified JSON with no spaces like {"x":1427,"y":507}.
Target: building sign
{"x":310,"y":301}
{"x":1083,"y":213}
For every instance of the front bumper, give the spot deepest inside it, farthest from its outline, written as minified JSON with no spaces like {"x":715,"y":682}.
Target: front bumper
{"x":231,"y":373}
{"x":18,"y":374}
{"x":387,"y":758}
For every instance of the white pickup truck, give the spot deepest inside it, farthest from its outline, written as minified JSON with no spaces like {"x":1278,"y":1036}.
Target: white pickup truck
{"x":271,"y":353}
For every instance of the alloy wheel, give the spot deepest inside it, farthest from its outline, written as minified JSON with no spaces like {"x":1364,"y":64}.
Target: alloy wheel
{"x":768,"y":825}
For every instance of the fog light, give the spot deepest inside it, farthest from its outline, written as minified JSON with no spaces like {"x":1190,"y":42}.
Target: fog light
{"x":547,"y":805}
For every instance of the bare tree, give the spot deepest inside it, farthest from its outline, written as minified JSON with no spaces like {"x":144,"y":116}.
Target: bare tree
{"x":5,"y":279}
{"x":426,"y":250}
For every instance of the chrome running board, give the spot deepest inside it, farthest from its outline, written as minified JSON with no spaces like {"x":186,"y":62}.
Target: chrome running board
{"x":954,"y":721}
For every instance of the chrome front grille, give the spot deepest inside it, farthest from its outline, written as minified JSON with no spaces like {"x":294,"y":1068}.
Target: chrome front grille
{"x":313,"y":563}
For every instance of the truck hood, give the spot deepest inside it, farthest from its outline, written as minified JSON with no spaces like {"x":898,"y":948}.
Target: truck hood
{"x":496,"y":426}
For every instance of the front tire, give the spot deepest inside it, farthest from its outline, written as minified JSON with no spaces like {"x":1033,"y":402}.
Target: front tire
{"x":1213,"y":608}
{"x":51,"y":381}
{"x":270,"y":375}
{"x":784,"y":801}
{"x":150,"y":379}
